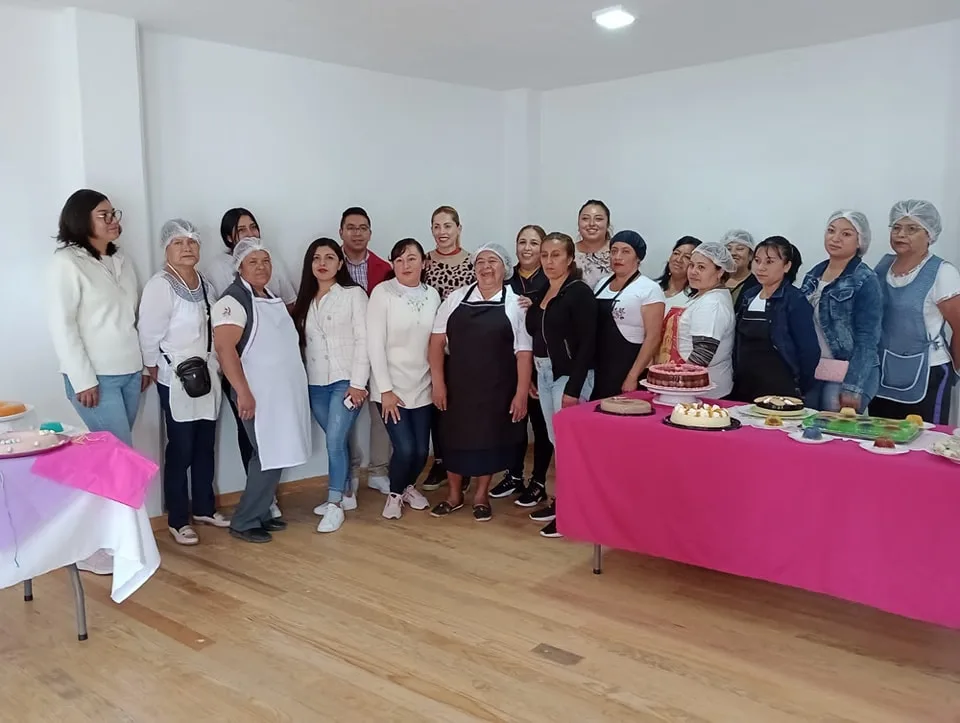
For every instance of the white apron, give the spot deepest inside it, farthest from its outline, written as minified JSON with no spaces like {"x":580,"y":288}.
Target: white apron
{"x":183,"y":407}
{"x":278,"y":380}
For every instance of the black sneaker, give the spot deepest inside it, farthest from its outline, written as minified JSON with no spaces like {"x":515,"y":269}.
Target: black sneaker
{"x":545,"y":514}
{"x":509,"y":485}
{"x":535,"y":494}
{"x":437,"y":477}
{"x":550,"y":530}
{"x":465,"y":485}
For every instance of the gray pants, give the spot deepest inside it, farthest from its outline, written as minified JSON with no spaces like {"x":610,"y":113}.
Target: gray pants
{"x":379,"y":446}
{"x":254,"y":507}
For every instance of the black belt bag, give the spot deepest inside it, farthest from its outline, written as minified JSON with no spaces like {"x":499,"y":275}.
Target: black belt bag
{"x":194,"y":373}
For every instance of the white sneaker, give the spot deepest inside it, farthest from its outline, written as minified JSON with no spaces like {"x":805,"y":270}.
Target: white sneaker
{"x":379,"y":483}
{"x":393,"y":509}
{"x":413,"y":498}
{"x":347,"y":504}
{"x":332,"y":519}
{"x":186,"y":535}
{"x":99,"y":563}
{"x":275,"y":509}
{"x":217,"y":520}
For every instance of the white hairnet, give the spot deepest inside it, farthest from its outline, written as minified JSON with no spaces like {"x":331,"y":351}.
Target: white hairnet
{"x":859,"y":222}
{"x":739,"y":236}
{"x":178,"y":228}
{"x":505,"y":257}
{"x":923,"y":212}
{"x":244,"y":248}
{"x":718,"y":254}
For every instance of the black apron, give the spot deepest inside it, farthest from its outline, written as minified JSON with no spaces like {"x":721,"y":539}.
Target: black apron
{"x":481,"y":377}
{"x":615,"y":355}
{"x":760,"y":370}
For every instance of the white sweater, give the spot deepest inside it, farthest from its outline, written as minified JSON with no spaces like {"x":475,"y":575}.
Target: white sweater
{"x":336,"y":336}
{"x":399,"y":323}
{"x":93,"y":315}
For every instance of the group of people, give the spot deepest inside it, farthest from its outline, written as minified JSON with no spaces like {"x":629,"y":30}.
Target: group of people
{"x":462,"y":350}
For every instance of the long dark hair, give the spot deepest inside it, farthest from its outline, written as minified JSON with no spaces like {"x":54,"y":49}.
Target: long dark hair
{"x":785,"y":251}
{"x":399,"y":249}
{"x":229,"y":223}
{"x":309,"y":285}
{"x":76,"y":221}
{"x":606,"y":210}
{"x":571,"y":249}
{"x":664,"y":279}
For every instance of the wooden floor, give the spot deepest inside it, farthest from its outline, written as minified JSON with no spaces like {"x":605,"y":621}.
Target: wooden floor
{"x":453,"y":620}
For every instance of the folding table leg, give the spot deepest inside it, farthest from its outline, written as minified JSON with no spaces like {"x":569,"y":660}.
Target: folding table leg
{"x":81,"y":609}
{"x":597,"y":567}
{"x":28,"y":590}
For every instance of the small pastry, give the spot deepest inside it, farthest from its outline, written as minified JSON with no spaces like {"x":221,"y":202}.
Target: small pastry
{"x":813,"y":433}
{"x":848,"y":412}
{"x":915,"y":419}
{"x":884,"y":443}
{"x":773,"y":421}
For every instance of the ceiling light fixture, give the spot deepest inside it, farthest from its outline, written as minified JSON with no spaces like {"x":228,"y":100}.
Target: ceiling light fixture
{"x":613,"y":18}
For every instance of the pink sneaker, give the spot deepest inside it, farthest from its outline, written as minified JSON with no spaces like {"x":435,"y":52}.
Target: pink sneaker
{"x":413,"y":498}
{"x":393,"y":509}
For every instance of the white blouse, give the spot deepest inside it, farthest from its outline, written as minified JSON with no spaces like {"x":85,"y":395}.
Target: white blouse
{"x":711,"y":315}
{"x":399,"y":324}
{"x":336,"y":334}
{"x":628,"y":307}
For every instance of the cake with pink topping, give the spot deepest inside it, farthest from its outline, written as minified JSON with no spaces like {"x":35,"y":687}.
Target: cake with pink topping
{"x":678,"y":376}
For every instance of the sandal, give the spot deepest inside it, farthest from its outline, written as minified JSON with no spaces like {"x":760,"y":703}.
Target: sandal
{"x":186,"y":535}
{"x":445,"y":508}
{"x":482,"y":513}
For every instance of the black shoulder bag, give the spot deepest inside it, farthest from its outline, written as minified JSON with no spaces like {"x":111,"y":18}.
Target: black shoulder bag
{"x":194,"y":373}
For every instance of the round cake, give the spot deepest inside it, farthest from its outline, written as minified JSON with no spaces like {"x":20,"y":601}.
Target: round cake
{"x":26,"y":442}
{"x":707,"y":416}
{"x":775,"y":403}
{"x":9,"y":409}
{"x":678,"y":376}
{"x":626,"y":406}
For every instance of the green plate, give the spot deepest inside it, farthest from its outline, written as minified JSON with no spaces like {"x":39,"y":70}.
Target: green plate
{"x":862,"y":427}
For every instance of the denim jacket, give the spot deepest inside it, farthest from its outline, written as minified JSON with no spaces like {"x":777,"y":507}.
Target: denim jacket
{"x":791,"y":330}
{"x":850,"y":315}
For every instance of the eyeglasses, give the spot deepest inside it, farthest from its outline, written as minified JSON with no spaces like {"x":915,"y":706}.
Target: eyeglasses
{"x":363,"y":228}
{"x":110,"y":216}
{"x":909,"y":230}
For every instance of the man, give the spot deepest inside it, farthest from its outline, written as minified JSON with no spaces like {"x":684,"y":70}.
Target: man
{"x":368,"y":270}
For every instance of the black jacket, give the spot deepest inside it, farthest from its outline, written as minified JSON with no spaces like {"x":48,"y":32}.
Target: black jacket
{"x":536,"y":284}
{"x":570,"y":329}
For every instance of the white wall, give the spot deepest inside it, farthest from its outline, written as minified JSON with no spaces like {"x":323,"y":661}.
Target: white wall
{"x":771,"y":143}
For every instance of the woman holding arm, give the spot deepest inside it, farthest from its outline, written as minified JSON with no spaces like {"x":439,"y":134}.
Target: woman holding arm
{"x":847,"y":313}
{"x":630,"y":317}
{"x":399,"y":323}
{"x":483,"y":387}
{"x":331,"y":318}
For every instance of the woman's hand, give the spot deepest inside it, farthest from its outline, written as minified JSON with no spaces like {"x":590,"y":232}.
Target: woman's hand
{"x":246,"y":405}
{"x":568,"y":401}
{"x":390,"y":404}
{"x":152,"y":371}
{"x":357,"y":396}
{"x":440,"y":396}
{"x":147,"y":379}
{"x":524,"y":302}
{"x":534,"y":394}
{"x":89,"y":398}
{"x":518,"y":407}
{"x":631,"y":383}
{"x":849,"y":399}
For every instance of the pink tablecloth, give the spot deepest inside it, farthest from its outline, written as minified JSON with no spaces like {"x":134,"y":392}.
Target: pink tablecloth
{"x":831,"y":518}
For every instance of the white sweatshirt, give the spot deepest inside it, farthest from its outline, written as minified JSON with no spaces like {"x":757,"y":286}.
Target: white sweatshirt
{"x":399,"y":324}
{"x":93,"y":315}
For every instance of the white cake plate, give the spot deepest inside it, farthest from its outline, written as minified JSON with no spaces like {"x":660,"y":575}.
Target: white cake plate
{"x":671,"y":396}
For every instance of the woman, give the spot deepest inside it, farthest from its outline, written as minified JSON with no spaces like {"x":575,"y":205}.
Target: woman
{"x":449,"y":268}
{"x":563,"y":325}
{"x":921,"y":298}
{"x":259,"y":350}
{"x":176,"y":339}
{"x":775,"y":348}
{"x":702,"y":332}
{"x":399,"y":323}
{"x":847,"y":312}
{"x":331,"y":318}
{"x":673,"y":281}
{"x":740,"y":244}
{"x":593,"y":249}
{"x":482,"y":388}
{"x":92,"y":301}
{"x":529,"y":281}
{"x":630,"y":318}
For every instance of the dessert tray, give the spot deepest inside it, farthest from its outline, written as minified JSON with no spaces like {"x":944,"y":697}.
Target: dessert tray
{"x":900,"y":431}
{"x":12,"y":448}
{"x":18,"y":415}
{"x":734,"y":424}
{"x":671,"y":396}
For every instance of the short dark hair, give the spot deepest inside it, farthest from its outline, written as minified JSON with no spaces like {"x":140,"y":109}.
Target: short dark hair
{"x":398,"y":250}
{"x":229,"y":223}
{"x":567,"y":242}
{"x":76,"y":221}
{"x":354,"y":211}
{"x":785,"y":251}
{"x":664,"y":279}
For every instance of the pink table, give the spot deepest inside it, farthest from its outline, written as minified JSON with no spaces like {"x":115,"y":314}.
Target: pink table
{"x":831,"y":518}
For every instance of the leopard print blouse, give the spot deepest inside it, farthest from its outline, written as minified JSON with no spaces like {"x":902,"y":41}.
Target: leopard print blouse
{"x":449,"y":273}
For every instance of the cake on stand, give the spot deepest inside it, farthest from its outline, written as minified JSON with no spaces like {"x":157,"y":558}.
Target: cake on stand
{"x":672,"y":396}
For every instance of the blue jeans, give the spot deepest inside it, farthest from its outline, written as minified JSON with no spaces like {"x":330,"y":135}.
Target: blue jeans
{"x":117,"y":410}
{"x":825,"y":396}
{"x":550,"y":391}
{"x":410,"y":438}
{"x":326,"y":403}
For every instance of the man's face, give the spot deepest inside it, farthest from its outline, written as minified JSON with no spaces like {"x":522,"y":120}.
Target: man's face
{"x":355,"y":233}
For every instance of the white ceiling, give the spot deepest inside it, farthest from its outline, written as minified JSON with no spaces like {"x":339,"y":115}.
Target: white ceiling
{"x":539,"y":44}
